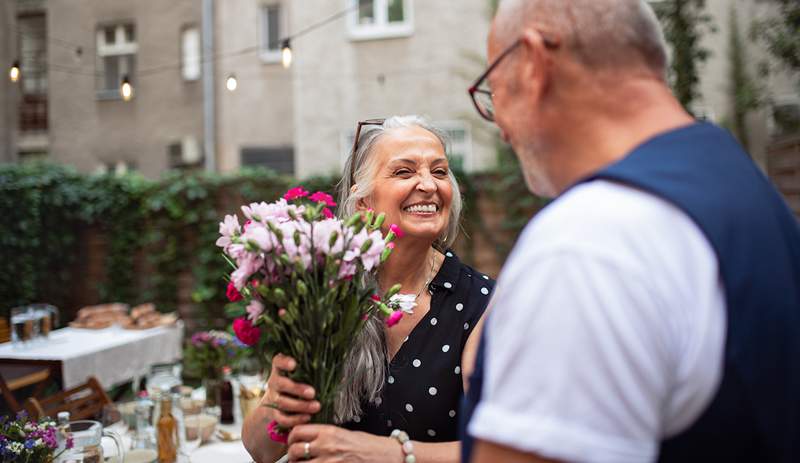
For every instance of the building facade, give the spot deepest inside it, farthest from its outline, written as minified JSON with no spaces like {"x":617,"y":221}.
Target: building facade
{"x":231,"y":103}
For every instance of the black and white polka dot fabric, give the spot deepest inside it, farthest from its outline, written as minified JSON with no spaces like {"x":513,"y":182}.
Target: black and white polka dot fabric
{"x":424,"y":385}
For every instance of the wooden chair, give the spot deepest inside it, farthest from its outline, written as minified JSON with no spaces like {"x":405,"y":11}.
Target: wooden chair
{"x":5,"y":332}
{"x":14,"y":377}
{"x":82,"y":402}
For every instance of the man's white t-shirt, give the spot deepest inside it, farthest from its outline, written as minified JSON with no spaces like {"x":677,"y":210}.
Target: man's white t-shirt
{"x":606,"y":329}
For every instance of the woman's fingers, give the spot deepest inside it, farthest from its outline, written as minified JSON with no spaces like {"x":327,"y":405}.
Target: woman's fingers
{"x":305,"y":433}
{"x":283,"y":362}
{"x":284,"y":385}
{"x":289,"y":421}
{"x":291,"y":405}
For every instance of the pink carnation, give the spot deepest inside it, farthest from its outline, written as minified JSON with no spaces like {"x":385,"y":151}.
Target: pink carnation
{"x":233,"y":294}
{"x":394,"y":228}
{"x":276,"y":434}
{"x":327,"y":213}
{"x":295,"y":193}
{"x":322,"y":197}
{"x":394,"y":318}
{"x":246,"y":332}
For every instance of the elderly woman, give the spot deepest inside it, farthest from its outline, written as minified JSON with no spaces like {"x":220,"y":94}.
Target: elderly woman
{"x":409,"y":377}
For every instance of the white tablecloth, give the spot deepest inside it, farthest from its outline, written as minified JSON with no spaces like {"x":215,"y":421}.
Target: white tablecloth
{"x":113,"y":355}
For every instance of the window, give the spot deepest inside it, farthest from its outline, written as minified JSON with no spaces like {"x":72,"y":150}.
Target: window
{"x":279,"y":159}
{"x":459,"y":141}
{"x":190,"y":53}
{"x":33,"y":82}
{"x":376,"y":19}
{"x":270,"y":33}
{"x":116,"y":57}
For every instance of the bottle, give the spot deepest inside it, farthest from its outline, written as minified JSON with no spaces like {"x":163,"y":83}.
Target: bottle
{"x":167,"y":431}
{"x":62,"y":430}
{"x":226,"y":397}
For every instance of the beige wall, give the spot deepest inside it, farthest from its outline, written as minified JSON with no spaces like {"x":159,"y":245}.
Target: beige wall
{"x":337,"y":80}
{"x":8,"y":91}
{"x":715,"y":82}
{"x":259,"y":113}
{"x":86,"y":131}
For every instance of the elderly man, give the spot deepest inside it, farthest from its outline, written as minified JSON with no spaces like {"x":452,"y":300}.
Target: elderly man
{"x":652,"y":311}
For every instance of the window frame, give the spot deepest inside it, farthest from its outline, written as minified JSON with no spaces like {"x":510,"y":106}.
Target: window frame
{"x":381,"y":28}
{"x":267,"y":55}
{"x":121,"y":48}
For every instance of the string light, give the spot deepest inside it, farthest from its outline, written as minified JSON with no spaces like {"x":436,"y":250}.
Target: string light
{"x":126,"y":89}
{"x":286,"y":53}
{"x":231,"y":83}
{"x":13,"y":73}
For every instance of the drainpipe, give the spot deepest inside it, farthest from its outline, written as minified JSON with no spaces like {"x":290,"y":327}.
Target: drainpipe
{"x":209,"y":108}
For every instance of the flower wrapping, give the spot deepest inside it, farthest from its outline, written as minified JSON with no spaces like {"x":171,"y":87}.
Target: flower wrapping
{"x":305,"y":282}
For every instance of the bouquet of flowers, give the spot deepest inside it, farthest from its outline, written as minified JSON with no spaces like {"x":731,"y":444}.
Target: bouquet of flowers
{"x":208,"y":351}
{"x":307,"y":281}
{"x":24,"y":440}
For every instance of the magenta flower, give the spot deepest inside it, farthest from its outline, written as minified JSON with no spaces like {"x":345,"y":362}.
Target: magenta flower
{"x":276,"y":434}
{"x":246,"y":332}
{"x":322,"y":197}
{"x":394,"y":318}
{"x":327,"y":213}
{"x":295,"y":193}
{"x":233,"y":294}
{"x":394,"y":228}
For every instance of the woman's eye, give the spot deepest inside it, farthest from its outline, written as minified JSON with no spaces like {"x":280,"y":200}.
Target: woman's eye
{"x":402,"y":172}
{"x":440,"y":172}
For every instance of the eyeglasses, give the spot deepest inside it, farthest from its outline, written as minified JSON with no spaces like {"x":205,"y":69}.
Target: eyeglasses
{"x":355,"y":145}
{"x":482,"y":98}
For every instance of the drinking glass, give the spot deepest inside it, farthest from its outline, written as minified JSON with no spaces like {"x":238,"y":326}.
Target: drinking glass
{"x":23,"y":328}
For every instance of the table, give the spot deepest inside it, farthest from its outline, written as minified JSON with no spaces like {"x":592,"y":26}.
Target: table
{"x":113,"y":355}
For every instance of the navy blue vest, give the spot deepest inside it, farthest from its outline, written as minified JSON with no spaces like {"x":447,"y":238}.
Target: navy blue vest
{"x":755,"y":415}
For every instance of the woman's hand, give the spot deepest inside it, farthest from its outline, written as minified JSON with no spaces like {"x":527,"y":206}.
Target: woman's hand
{"x":292,"y":403}
{"x":328,"y":444}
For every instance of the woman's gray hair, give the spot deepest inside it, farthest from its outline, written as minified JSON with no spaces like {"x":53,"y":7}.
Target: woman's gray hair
{"x":365,"y":165}
{"x":366,"y":365}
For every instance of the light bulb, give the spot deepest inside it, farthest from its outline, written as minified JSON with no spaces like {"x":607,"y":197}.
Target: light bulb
{"x":231,"y":83}
{"x":286,"y":54}
{"x":126,"y":89}
{"x":13,"y":73}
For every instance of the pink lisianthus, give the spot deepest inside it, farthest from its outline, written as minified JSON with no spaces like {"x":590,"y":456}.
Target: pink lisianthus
{"x":254,"y":309}
{"x":246,"y":332}
{"x":233,"y":294}
{"x":276,"y":434}
{"x":371,"y":258}
{"x":248,"y":265}
{"x":394,"y":228}
{"x":259,"y":235}
{"x":322,"y":197}
{"x":394,"y":318}
{"x":295,"y":193}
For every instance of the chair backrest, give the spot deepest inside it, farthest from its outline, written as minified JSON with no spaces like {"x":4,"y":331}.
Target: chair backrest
{"x":82,"y":402}
{"x":5,"y":333}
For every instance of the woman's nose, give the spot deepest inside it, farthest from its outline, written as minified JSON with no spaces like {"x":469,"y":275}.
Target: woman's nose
{"x":426,"y":183}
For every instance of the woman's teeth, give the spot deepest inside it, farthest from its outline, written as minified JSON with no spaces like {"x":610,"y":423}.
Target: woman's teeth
{"x":428,"y":208}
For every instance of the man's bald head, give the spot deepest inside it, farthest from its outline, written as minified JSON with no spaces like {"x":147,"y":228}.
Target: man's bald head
{"x":604,"y":35}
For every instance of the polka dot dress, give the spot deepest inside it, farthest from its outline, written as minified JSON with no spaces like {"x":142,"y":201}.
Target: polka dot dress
{"x":424,"y":384}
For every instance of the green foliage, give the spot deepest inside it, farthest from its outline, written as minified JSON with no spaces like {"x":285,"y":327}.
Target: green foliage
{"x":685,"y":22}
{"x":781,"y":33}
{"x":744,"y":92}
{"x":50,"y":211}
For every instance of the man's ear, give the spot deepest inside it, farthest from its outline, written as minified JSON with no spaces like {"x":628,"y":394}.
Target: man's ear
{"x":535,"y":65}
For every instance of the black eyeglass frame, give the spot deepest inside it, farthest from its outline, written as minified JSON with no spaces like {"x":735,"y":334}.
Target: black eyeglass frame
{"x":378,"y":121}
{"x":475,"y":88}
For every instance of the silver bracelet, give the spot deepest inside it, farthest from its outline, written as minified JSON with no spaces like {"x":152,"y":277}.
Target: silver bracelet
{"x":405,"y":445}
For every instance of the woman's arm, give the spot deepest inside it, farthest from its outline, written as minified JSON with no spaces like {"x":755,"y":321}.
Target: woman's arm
{"x":471,"y":351}
{"x":331,"y":443}
{"x":288,"y":403}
